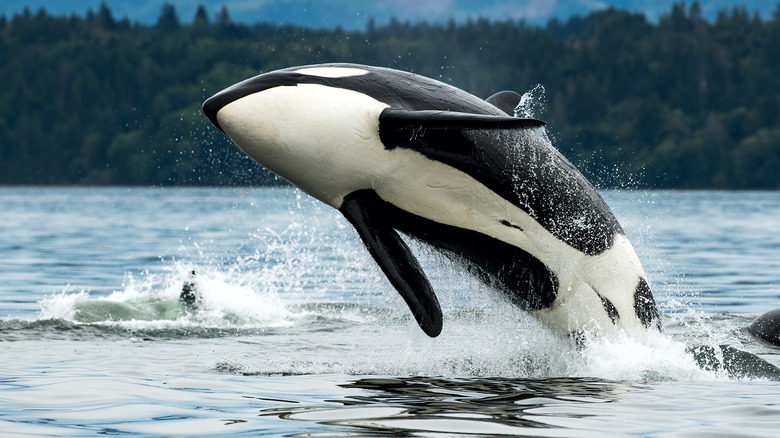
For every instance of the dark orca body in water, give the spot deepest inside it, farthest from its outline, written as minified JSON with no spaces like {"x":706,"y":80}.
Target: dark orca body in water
{"x":395,"y":151}
{"x":189,"y":297}
{"x":767,"y":327}
{"x":735,"y":363}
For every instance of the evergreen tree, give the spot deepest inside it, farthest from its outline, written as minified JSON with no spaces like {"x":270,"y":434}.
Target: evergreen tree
{"x":169,"y":19}
{"x":681,"y":103}
{"x":201,"y":20}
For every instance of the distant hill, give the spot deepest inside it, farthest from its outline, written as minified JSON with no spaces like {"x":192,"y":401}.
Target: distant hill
{"x":677,"y":103}
{"x":354,"y":14}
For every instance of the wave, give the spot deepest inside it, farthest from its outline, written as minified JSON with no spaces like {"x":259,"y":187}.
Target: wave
{"x":228,"y":304}
{"x":278,"y":328}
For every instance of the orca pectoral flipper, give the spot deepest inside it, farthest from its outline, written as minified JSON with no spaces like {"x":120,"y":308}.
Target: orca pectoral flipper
{"x":394,"y":120}
{"x":394,"y":258}
{"x":454,"y":138}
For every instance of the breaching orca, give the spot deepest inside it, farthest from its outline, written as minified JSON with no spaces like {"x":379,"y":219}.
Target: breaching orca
{"x":394,"y":151}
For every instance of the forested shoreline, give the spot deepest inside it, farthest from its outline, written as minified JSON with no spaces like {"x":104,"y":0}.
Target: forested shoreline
{"x":681,"y":103}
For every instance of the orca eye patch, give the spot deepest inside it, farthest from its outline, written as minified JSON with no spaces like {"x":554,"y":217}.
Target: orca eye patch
{"x":332,"y":72}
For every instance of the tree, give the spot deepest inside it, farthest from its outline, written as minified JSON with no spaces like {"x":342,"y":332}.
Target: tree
{"x":223,"y":17}
{"x":201,"y":20}
{"x":104,"y":17}
{"x":678,"y":103}
{"x":168,"y":20}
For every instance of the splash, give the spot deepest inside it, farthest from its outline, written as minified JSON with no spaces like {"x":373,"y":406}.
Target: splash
{"x":153,"y":301}
{"x":285,"y":333}
{"x":266,"y":288}
{"x":309,"y":300}
{"x":532,"y":103}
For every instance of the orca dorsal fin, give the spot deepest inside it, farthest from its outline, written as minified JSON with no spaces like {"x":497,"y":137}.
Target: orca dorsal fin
{"x":362,"y":210}
{"x":505,"y":100}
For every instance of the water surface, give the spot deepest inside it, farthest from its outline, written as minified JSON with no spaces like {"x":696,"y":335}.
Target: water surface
{"x":299,"y":334}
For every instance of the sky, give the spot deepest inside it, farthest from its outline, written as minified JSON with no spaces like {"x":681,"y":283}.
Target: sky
{"x":354,"y":14}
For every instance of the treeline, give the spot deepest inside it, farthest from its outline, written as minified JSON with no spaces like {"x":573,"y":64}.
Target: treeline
{"x":682,"y":103}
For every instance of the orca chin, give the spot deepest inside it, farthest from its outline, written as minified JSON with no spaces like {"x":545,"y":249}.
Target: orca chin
{"x":398,"y":152}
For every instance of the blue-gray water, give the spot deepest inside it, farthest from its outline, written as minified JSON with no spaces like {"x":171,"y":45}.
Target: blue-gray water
{"x":299,"y":334}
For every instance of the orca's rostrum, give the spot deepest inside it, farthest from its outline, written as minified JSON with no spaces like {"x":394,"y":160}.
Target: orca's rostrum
{"x":394,"y":151}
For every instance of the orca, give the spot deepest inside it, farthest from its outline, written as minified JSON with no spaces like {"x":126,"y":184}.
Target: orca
{"x":735,"y":363}
{"x":398,"y":152}
{"x":767,"y":327}
{"x":190,"y":298}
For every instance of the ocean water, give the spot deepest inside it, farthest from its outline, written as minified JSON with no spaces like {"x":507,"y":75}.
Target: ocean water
{"x":298,"y":334}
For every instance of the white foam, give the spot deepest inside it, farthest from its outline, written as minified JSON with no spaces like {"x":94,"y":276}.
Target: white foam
{"x":153,"y":301}
{"x":61,"y":305}
{"x":338,"y":315}
{"x":649,"y":358}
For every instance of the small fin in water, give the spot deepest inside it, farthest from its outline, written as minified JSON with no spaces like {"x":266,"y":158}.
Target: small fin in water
{"x":736,"y":363}
{"x":767,"y":327}
{"x":189,"y":296}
